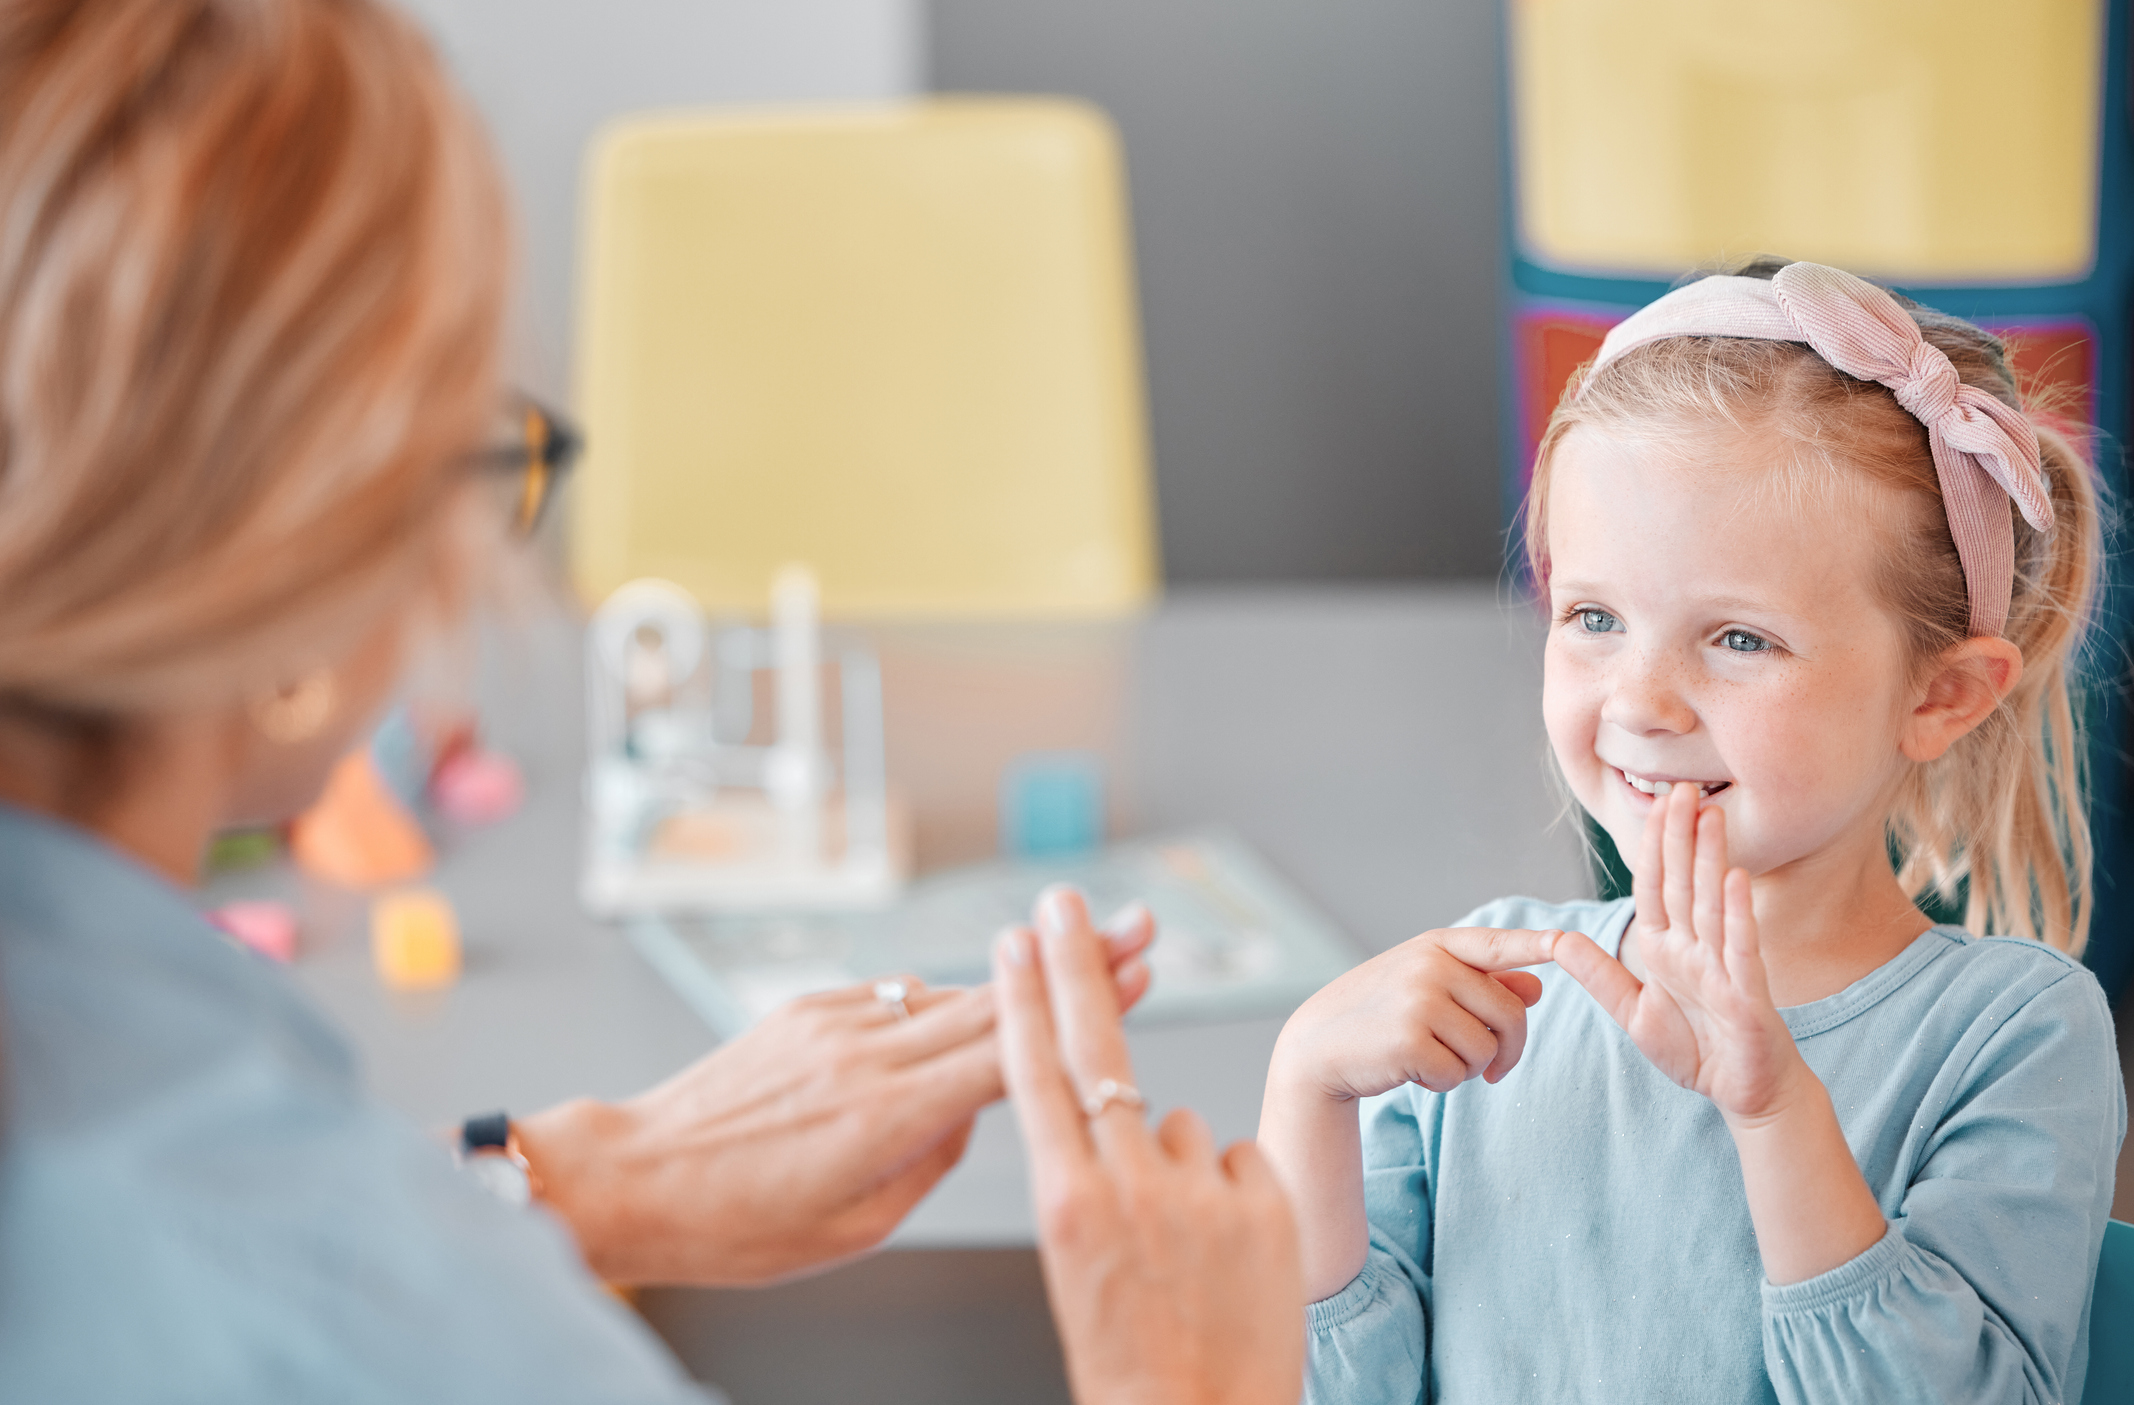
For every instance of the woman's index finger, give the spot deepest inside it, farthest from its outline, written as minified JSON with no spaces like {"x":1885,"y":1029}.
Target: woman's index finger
{"x":1046,"y":1107}
{"x":1085,"y":1011}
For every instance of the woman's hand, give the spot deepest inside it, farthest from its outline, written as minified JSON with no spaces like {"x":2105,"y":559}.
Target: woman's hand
{"x":1705,"y":1017}
{"x":1438,"y":1010}
{"x":1172,"y":1267}
{"x":1704,"y":1013}
{"x":803,"y":1141}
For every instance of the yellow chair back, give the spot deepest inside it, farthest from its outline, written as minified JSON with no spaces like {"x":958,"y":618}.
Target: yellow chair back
{"x":898,"y":344}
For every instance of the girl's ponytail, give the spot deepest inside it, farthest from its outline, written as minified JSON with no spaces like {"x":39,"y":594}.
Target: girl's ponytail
{"x":2004,"y":808}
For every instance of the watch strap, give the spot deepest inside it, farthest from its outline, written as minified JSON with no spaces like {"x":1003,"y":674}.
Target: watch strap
{"x":491,"y":1131}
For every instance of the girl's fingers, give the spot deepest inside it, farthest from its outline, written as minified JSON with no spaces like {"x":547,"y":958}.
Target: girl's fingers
{"x":1605,"y":978}
{"x":1709,"y":913}
{"x":1503,"y":1017}
{"x":1085,"y":1009}
{"x":1046,"y":1105}
{"x":1648,"y":874}
{"x":1496,"y":948}
{"x":1679,"y":846}
{"x":1468,"y":1039}
{"x":1744,"y":952}
{"x":1524,"y":984}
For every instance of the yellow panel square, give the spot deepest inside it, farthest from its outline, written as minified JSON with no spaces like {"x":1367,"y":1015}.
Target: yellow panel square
{"x":898,"y":344}
{"x":1917,"y":140}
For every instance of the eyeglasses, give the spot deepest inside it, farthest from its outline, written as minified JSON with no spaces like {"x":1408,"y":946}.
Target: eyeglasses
{"x":535,"y":447}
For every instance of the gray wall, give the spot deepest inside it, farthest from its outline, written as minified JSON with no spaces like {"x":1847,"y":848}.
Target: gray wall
{"x":1317,"y":200}
{"x":546,"y":73}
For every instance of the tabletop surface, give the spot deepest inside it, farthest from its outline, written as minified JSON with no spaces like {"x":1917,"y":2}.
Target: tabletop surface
{"x":1381,"y":747}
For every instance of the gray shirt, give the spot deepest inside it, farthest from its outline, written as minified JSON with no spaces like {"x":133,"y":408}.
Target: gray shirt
{"x":198,"y":1203}
{"x":1579,"y":1232}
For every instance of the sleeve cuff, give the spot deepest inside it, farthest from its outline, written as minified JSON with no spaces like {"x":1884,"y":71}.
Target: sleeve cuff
{"x":1364,"y":1289}
{"x":1870,"y":1267}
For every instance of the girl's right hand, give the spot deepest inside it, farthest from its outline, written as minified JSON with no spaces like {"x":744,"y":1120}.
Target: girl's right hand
{"x":1437,"y":1010}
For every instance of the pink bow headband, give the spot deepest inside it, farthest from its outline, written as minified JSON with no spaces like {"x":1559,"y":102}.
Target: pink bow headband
{"x":1985,"y":454}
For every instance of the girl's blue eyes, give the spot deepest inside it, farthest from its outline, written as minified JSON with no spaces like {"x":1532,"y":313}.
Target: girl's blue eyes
{"x":1739,"y":641}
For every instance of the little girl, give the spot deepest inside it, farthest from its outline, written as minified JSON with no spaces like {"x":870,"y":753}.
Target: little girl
{"x":1815,"y":579}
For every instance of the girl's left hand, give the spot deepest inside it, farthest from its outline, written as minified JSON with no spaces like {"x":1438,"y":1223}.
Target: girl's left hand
{"x":1704,"y":1014}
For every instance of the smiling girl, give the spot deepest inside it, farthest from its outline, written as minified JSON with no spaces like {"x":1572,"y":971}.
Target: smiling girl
{"x":1815,"y":581}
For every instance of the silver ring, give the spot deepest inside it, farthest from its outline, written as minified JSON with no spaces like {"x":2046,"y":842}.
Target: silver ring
{"x":893,"y":994}
{"x":1109,"y":1091}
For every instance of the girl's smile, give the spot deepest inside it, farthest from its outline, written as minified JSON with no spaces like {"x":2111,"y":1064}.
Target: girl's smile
{"x":1660,"y":785}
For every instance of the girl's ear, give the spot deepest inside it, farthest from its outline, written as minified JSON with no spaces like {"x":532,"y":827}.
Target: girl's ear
{"x":1969,"y":681}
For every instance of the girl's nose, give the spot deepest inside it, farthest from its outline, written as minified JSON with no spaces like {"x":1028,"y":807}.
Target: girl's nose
{"x":1645,"y":697}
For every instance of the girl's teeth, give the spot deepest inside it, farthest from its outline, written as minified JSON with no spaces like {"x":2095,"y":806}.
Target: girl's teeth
{"x":1663,"y":787}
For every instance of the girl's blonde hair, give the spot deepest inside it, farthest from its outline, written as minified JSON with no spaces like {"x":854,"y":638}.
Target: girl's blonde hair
{"x":2003,"y":808}
{"x":253,"y":266}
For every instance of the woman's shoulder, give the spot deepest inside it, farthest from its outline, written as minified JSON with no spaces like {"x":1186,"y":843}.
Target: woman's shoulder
{"x":187,"y":1159}
{"x":328,"y":1254}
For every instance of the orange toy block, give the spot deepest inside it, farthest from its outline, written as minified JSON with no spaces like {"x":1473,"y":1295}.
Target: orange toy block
{"x":359,"y":834}
{"x":414,"y":939}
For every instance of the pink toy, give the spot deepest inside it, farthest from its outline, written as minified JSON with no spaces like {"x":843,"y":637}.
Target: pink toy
{"x":267,"y":928}
{"x":472,"y":786}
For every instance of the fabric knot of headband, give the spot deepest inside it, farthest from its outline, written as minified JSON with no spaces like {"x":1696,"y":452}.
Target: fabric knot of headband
{"x":1985,"y":454}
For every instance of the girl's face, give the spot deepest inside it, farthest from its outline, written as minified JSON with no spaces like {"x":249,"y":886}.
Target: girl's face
{"x":1705,"y":633}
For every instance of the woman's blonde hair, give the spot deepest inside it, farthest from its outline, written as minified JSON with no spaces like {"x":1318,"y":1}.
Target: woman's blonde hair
{"x":2001,"y":811}
{"x":253,"y":266}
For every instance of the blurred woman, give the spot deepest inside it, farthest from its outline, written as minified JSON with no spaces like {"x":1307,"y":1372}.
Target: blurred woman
{"x":253,"y":262}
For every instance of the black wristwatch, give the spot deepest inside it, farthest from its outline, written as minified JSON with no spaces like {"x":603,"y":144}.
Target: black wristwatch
{"x":489,"y":1152}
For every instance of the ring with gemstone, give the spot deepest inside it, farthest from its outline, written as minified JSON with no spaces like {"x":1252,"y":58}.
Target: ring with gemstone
{"x":894,"y":994}
{"x":1109,"y":1091}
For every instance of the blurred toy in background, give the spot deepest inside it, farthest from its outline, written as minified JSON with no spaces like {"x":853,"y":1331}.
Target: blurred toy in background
{"x":360,"y":834}
{"x":685,"y":811}
{"x":414,"y":937}
{"x":1052,"y":805}
{"x":235,"y":850}
{"x":268,"y":928}
{"x":365,"y":832}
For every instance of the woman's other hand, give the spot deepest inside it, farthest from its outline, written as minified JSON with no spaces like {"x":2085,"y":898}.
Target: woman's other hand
{"x":1172,"y":1266}
{"x":803,"y":1141}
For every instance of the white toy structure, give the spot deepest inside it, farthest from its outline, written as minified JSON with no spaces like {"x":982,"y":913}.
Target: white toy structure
{"x":684,"y":813}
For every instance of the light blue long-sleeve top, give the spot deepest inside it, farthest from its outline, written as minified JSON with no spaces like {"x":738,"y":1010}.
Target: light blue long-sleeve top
{"x":197,"y":1202}
{"x":1579,"y":1232}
